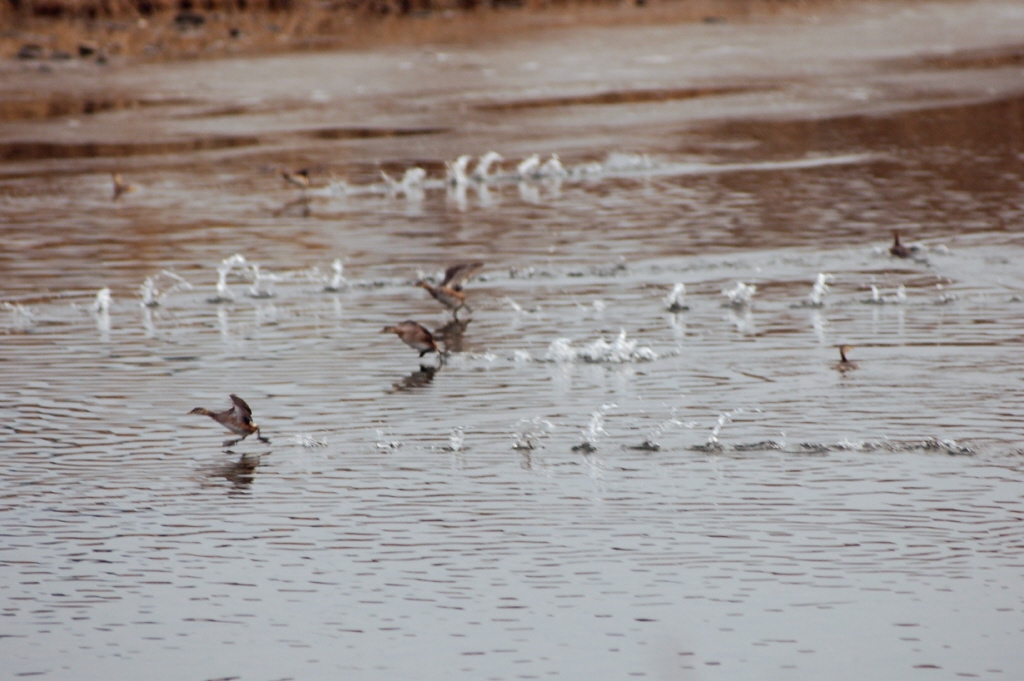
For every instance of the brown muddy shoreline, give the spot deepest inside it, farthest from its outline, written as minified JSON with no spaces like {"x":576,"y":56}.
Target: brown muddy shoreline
{"x":56,"y":31}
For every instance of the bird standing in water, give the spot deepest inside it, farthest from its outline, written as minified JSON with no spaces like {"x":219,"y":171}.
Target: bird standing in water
{"x":415,"y":335}
{"x":844,"y":364}
{"x":237,"y":419}
{"x":449,"y":292}
{"x":898,"y":249}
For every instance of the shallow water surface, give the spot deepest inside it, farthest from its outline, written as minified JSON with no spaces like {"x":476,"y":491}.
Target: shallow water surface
{"x":590,"y":485}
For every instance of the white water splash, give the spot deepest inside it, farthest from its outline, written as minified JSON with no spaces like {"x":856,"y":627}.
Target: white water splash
{"x":621,"y":350}
{"x":21,"y":316}
{"x":456,"y":171}
{"x":723,"y":419}
{"x":740,"y":295}
{"x":528,"y":168}
{"x":456,"y":439}
{"x":262,"y":283}
{"x":384,"y":444}
{"x":676,"y":300}
{"x":820,"y":288}
{"x":224,"y":294}
{"x":101,"y":304}
{"x":529,"y":433}
{"x":309,"y":441}
{"x":151,"y":294}
{"x":651,"y":443}
{"x":594,"y":430}
{"x":337,"y":281}
{"x":897,"y":298}
{"x":482,"y":172}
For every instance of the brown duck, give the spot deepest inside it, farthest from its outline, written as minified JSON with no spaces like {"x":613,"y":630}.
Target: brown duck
{"x":415,"y":335}
{"x":237,"y":419}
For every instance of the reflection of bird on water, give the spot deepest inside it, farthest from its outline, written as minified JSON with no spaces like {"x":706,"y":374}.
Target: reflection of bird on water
{"x":120,"y":186}
{"x":239,"y":473}
{"x":844,"y":364}
{"x":237,"y":419}
{"x":417,"y":379}
{"x":449,"y":292}
{"x":451,"y":335}
{"x":415,"y":335}
{"x":898,"y":249}
{"x":298,"y":178}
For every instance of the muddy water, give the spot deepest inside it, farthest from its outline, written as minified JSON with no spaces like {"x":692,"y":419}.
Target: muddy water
{"x":591,"y":486}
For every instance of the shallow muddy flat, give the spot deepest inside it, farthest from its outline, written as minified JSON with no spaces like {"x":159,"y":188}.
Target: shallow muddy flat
{"x":590,"y":485}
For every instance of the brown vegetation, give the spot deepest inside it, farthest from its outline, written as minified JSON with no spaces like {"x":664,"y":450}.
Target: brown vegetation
{"x":162,"y":29}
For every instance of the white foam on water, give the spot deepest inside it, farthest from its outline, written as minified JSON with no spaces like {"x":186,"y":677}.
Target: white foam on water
{"x":740,"y":295}
{"x":621,"y":350}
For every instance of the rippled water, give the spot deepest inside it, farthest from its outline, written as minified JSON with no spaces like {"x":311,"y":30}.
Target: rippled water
{"x":590,"y":486}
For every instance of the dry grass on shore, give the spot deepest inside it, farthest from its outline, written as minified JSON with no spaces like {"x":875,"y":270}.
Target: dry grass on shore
{"x":173,"y":29}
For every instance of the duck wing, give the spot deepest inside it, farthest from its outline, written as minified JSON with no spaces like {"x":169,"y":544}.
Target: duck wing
{"x":455,"y":275}
{"x":241,"y":409}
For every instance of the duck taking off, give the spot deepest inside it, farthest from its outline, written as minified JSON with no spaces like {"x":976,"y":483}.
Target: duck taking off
{"x":449,"y":291}
{"x":237,"y":419}
{"x":415,"y":335}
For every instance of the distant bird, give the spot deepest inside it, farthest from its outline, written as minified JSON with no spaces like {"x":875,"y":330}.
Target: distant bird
{"x":237,"y":419}
{"x":415,"y":335}
{"x":844,"y":364}
{"x":299,"y":178}
{"x":120,"y":186}
{"x":898,"y":249}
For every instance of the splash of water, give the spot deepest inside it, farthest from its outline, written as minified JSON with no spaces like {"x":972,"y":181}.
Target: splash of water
{"x":529,"y":433}
{"x":723,"y":419}
{"x":482,"y":172}
{"x":898,"y":297}
{"x":620,"y":351}
{"x":650,"y":443}
{"x":456,"y":439}
{"x":150,"y":293}
{"x":21,"y":316}
{"x":262,"y":283}
{"x":528,"y":167}
{"x":456,"y":171}
{"x":224,"y":269}
{"x":384,"y":444}
{"x":338,"y":278}
{"x":820,"y":289}
{"x":101,"y":305}
{"x":740,"y":295}
{"x":676,"y":300}
{"x":552,"y":168}
{"x":594,"y":430}
{"x":309,"y":441}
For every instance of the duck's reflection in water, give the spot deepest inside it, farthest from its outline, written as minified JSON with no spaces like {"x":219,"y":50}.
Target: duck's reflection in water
{"x":299,"y":206}
{"x":417,"y":379}
{"x":451,"y":334}
{"x":240,"y":473}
